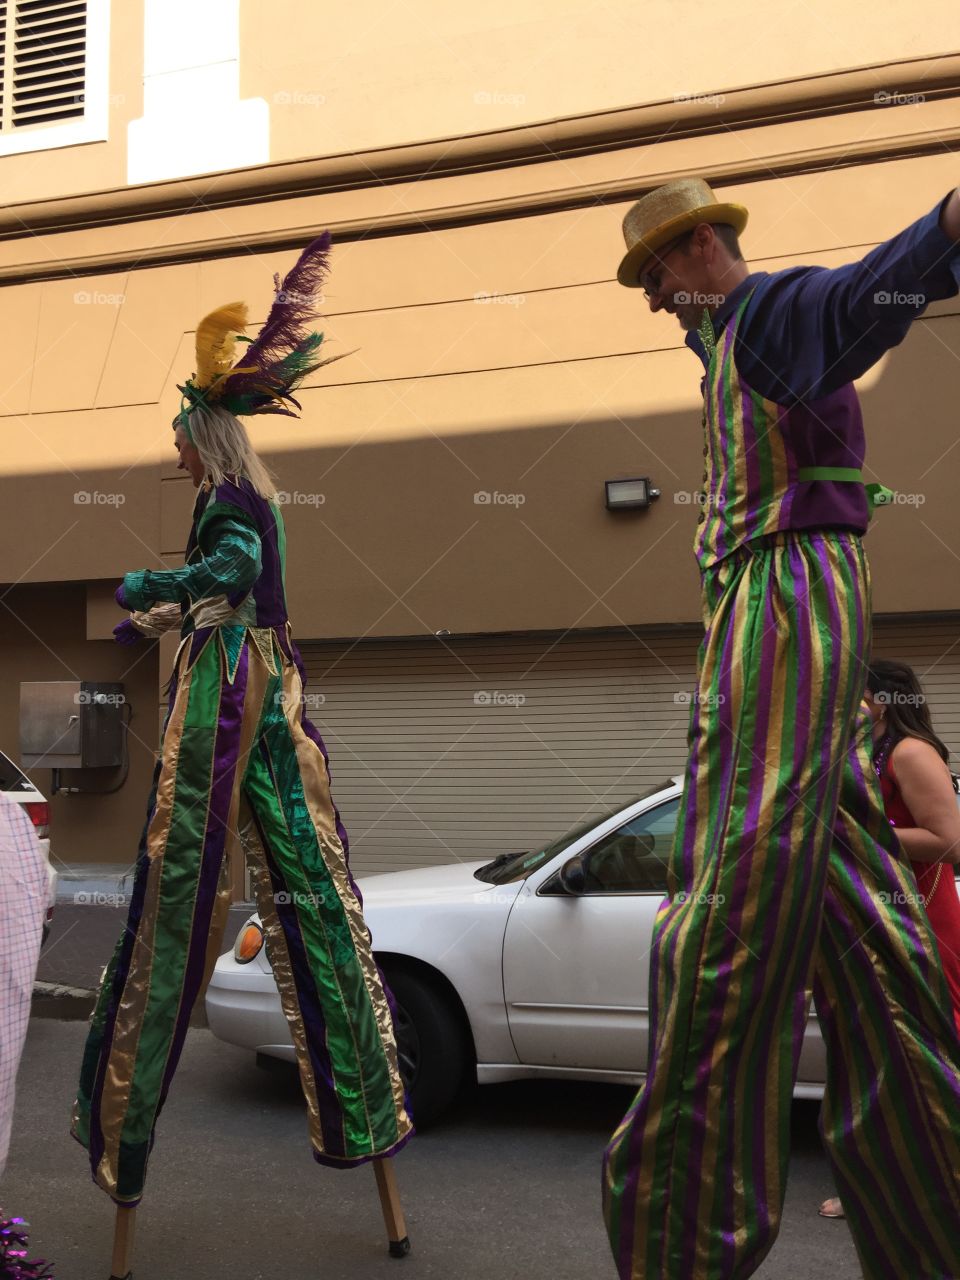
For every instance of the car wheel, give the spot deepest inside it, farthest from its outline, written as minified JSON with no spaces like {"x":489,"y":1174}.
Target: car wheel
{"x":431,"y":1045}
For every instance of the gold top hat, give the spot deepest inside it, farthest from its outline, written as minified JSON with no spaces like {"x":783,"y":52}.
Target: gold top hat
{"x":666,"y":213}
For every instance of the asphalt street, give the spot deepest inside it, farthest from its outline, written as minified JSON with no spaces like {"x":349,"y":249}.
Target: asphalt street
{"x":506,"y":1189}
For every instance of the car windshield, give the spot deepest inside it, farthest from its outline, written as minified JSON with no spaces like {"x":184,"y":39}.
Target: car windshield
{"x":517,"y":866}
{"x":11,"y":779}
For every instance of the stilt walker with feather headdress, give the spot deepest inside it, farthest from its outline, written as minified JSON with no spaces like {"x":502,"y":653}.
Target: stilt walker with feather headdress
{"x":238,"y":755}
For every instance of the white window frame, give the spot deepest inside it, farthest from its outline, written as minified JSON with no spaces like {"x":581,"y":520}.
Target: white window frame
{"x":93,"y":125}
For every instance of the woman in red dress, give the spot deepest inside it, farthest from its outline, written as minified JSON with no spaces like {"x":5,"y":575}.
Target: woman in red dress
{"x":920,"y":803}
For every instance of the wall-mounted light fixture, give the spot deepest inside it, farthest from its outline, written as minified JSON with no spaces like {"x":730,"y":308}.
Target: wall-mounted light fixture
{"x":622,"y":495}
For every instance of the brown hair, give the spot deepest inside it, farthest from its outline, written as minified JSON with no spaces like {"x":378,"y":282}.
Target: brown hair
{"x":896,"y":687}
{"x":729,"y":239}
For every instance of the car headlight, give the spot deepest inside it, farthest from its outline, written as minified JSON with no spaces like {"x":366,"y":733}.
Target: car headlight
{"x":248,"y":943}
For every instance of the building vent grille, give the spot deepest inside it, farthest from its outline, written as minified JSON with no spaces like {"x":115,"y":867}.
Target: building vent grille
{"x":43,"y":54}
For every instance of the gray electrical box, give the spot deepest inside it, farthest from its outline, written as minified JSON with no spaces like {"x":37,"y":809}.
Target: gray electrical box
{"x":71,"y":724}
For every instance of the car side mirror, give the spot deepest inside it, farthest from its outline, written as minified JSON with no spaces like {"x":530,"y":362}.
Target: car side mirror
{"x":573,"y":876}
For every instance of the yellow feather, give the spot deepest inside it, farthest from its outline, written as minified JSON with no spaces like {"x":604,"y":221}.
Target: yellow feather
{"x":216,"y":342}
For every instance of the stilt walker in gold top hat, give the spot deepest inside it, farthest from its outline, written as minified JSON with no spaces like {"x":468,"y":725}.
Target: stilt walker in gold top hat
{"x":785,"y":874}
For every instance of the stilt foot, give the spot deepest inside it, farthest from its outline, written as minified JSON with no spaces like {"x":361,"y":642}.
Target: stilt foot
{"x":393,"y":1218}
{"x":121,"y":1263}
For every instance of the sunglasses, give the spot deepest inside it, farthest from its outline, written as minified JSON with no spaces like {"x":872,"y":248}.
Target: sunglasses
{"x":651,"y":281}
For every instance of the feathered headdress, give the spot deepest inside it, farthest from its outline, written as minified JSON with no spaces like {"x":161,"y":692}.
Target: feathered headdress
{"x":276,"y":362}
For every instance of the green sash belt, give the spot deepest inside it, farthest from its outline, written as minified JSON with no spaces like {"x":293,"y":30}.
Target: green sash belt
{"x":878,"y":495}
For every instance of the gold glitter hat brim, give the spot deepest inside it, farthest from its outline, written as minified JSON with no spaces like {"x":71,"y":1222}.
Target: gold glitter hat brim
{"x":666,"y":213}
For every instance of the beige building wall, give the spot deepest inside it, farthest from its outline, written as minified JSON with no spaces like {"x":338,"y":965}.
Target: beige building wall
{"x":511,"y":365}
{"x":339,"y":81}
{"x":448,"y":474}
{"x":432,"y":69}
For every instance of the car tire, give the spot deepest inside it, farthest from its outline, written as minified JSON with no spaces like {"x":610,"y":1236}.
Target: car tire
{"x":431,"y":1045}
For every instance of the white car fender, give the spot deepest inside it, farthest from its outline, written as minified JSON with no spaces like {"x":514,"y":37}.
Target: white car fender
{"x":457,"y":933}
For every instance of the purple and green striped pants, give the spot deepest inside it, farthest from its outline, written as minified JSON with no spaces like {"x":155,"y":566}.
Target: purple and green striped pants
{"x":786,"y":879}
{"x":237,"y":749}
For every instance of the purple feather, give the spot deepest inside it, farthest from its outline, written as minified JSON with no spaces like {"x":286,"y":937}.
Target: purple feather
{"x":294,"y":309}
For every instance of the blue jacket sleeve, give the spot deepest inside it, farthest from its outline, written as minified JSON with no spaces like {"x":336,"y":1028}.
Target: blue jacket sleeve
{"x":231,"y":564}
{"x":809,"y":331}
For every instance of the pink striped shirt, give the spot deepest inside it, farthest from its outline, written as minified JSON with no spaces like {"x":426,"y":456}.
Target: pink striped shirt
{"x":23,"y":908}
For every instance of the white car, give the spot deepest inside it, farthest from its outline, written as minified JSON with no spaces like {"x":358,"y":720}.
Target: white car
{"x":15,"y":783}
{"x":534,"y":964}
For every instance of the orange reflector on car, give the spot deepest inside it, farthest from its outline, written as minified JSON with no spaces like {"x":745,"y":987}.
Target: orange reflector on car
{"x":248,"y":943}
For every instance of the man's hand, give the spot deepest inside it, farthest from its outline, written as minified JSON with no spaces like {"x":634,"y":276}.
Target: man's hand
{"x":950,"y":216}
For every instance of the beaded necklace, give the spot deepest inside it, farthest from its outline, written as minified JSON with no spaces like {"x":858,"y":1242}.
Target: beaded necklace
{"x":880,"y":753}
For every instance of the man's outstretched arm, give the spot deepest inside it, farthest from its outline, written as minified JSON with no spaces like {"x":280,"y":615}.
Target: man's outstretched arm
{"x":811,"y":330}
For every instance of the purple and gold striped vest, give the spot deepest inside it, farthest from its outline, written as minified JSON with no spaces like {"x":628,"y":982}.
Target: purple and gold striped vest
{"x":754,"y":450}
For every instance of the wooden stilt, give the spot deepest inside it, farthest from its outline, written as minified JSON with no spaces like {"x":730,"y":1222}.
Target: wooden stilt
{"x":123,"y":1243}
{"x":392,"y":1211}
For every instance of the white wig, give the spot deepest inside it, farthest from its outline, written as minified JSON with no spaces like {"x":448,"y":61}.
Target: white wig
{"x":225,"y":449}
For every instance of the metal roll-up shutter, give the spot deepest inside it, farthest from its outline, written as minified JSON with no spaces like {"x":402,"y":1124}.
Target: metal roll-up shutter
{"x":465,"y":748}
{"x":443,"y":750}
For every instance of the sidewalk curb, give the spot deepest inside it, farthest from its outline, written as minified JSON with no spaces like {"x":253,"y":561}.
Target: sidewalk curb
{"x":55,"y":1000}
{"x":76,"y":1004}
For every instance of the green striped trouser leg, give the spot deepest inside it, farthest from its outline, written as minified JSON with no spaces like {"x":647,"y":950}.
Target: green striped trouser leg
{"x":694,"y":1177}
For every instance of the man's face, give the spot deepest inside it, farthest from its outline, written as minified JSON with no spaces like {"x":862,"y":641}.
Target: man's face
{"x":671,"y":282}
{"x":189,"y":457}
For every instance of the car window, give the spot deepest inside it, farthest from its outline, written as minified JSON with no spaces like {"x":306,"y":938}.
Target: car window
{"x":11,"y":779}
{"x":633,"y":859}
{"x":517,"y":866}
